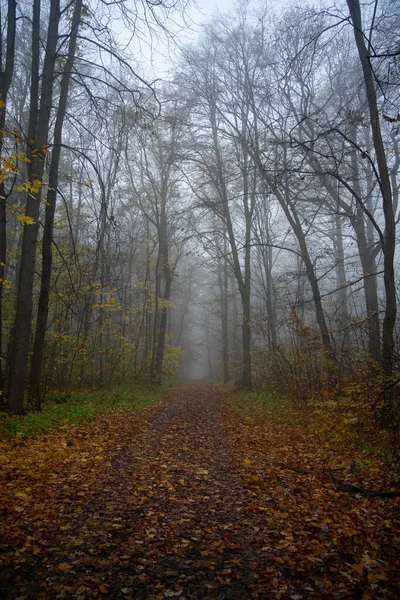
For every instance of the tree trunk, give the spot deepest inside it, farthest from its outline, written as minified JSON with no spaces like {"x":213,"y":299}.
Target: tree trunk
{"x":224,"y":309}
{"x":246,"y":333}
{"x":366,"y":253}
{"x":367,"y":260}
{"x":293,"y":219}
{"x":24,"y":306}
{"x":386,"y":191}
{"x":269,"y":291}
{"x":47,"y":244}
{"x":341,"y":272}
{"x":368,"y":266}
{"x":5,"y":81}
{"x":243,"y":281}
{"x":167,"y":275}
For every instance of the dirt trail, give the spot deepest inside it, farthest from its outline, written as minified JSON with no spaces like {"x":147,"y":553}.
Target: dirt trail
{"x":185,"y":501}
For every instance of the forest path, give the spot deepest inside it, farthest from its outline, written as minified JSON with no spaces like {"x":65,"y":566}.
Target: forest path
{"x":188,"y":500}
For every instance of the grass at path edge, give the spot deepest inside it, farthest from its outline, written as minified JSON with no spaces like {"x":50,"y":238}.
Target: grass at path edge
{"x":268,"y":406}
{"x":327,"y":425}
{"x":78,"y":408}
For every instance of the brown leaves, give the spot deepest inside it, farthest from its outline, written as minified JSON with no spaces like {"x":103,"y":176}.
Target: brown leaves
{"x":190,"y":500}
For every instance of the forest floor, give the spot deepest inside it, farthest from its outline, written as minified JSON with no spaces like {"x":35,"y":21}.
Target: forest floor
{"x":192,"y":499}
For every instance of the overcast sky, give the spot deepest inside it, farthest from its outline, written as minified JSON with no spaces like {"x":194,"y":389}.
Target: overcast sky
{"x":157,"y":57}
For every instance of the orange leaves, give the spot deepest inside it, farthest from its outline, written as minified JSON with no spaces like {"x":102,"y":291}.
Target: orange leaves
{"x":254,"y":507}
{"x":309,"y":524}
{"x":377,"y":577}
{"x":64,"y":567}
{"x":190,"y":500}
{"x":75,"y":542}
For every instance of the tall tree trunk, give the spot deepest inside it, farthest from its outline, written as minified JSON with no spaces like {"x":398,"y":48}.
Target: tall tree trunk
{"x":224,"y":310}
{"x":368,"y":266}
{"x":385,"y":187}
{"x":156,"y":319}
{"x":235,"y":342}
{"x":78,"y":209}
{"x":367,"y":260}
{"x":364,"y":238}
{"x":341,"y":272}
{"x":267,"y":264}
{"x":167,"y":276}
{"x":24,"y":306}
{"x":294,"y":221}
{"x":242,"y":280}
{"x":47,"y":243}
{"x":6,"y":73}
{"x":225,"y":315}
{"x":208,"y":349}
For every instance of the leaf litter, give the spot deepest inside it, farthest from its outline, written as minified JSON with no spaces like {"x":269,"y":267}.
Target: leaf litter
{"x":189,"y":499}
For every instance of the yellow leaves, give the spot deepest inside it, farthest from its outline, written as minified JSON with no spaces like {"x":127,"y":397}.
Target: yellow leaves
{"x":31,"y":187}
{"x":110,"y":304}
{"x":162,"y":304}
{"x":5,"y":283}
{"x":2,"y":103}
{"x":9,"y":165}
{"x":22,"y":156}
{"x":22,"y":496}
{"x":64,"y":567}
{"x":25,"y":220}
{"x":75,"y":542}
{"x":202,"y":471}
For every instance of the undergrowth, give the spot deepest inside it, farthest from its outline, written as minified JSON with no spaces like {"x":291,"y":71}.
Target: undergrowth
{"x":266,"y":405}
{"x":76,"y":408}
{"x":332,"y":424}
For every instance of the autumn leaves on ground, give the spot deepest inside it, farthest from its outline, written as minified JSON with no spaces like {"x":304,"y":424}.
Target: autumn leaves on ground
{"x":192,"y":499}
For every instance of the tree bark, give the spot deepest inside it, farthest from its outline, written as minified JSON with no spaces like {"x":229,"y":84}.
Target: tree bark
{"x":47,"y":243}
{"x":6,"y":73}
{"x":386,"y":191}
{"x":341,"y":272}
{"x":243,"y":280}
{"x":224,"y":309}
{"x":294,"y":221}
{"x":24,"y":305}
{"x":167,"y":276}
{"x":367,"y":260}
{"x":366,"y":254}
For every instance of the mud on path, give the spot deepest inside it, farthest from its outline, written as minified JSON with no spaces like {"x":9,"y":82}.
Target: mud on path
{"x":189,"y":500}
